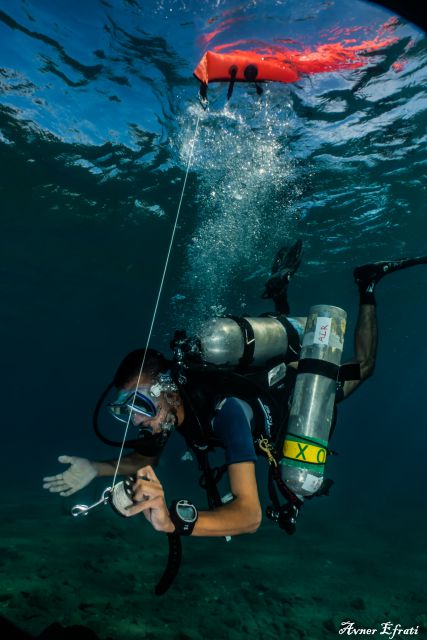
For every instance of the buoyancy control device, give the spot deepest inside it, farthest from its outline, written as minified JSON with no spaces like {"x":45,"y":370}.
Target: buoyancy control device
{"x":243,"y":343}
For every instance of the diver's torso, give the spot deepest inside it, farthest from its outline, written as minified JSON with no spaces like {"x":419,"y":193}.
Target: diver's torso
{"x":205,"y":391}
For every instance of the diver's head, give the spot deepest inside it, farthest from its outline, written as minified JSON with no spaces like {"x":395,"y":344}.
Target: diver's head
{"x":150,"y":396}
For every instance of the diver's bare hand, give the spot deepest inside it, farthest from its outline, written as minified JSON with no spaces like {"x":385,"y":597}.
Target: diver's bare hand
{"x":78,"y":475}
{"x":149,"y":495}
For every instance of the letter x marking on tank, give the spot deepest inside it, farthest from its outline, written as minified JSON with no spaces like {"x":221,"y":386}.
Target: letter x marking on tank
{"x":301,"y":451}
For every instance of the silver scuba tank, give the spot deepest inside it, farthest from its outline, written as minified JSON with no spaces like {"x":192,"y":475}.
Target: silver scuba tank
{"x":255,"y":341}
{"x":311,"y":413}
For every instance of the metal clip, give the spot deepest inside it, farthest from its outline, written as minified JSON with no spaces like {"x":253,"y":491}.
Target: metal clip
{"x":83,"y":509}
{"x":266,"y":447}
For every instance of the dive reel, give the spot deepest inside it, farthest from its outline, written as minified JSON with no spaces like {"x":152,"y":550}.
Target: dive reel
{"x":120,"y":497}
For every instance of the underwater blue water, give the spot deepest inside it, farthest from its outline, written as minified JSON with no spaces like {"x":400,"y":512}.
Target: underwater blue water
{"x":98,"y":113}
{"x":97,"y":116}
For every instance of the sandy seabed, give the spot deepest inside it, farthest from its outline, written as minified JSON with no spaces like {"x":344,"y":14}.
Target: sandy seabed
{"x":100,"y":571}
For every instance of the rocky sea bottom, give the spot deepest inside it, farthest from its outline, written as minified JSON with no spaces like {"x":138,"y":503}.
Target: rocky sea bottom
{"x":99,"y":572}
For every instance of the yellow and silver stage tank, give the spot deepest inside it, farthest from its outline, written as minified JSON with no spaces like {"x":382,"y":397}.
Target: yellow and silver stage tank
{"x":312,"y":408}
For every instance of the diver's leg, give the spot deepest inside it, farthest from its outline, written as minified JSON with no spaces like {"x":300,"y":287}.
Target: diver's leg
{"x":366,"y":334}
{"x":367,"y":277}
{"x":366,"y":339}
{"x":284,"y":266}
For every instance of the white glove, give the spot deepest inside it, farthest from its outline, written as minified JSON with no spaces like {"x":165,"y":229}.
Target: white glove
{"x":78,"y":475}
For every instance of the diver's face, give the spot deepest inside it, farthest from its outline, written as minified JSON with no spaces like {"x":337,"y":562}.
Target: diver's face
{"x":167,"y":413}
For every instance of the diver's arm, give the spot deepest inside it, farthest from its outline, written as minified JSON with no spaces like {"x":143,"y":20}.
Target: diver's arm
{"x":82,"y":471}
{"x":242,"y":515}
{"x":365,"y":345}
{"x":129,"y":464}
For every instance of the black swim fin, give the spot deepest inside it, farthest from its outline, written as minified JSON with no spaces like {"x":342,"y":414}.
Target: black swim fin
{"x":285,"y":264}
{"x":370,"y":274}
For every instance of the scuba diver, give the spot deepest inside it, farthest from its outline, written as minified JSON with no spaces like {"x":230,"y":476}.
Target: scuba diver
{"x":252,"y":386}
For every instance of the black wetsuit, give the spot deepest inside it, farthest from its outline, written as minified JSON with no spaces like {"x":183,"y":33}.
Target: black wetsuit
{"x":218,"y":404}
{"x":232,"y":411}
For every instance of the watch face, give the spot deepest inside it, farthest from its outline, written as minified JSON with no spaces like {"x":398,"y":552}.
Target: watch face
{"x":187,"y":512}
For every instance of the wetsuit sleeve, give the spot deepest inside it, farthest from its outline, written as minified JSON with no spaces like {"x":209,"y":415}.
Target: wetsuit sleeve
{"x":232,"y":425}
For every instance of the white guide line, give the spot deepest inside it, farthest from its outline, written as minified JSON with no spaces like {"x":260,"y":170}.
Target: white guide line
{"x":189,"y":163}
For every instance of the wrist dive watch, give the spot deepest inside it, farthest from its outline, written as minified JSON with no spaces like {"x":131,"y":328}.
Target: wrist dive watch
{"x":184,"y":516}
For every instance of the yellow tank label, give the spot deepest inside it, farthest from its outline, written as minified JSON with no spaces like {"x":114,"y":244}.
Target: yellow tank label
{"x":304,"y":452}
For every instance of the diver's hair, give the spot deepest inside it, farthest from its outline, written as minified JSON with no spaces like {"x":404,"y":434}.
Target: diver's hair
{"x":129,"y":368}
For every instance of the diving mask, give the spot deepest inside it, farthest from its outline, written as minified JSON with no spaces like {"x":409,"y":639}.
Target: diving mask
{"x":137,"y":401}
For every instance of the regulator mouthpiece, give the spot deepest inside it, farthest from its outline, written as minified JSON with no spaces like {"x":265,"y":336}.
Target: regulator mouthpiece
{"x":164,"y":383}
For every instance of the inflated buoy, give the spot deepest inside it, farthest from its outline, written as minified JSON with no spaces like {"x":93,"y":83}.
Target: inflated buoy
{"x":284,"y":64}
{"x":244,"y":66}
